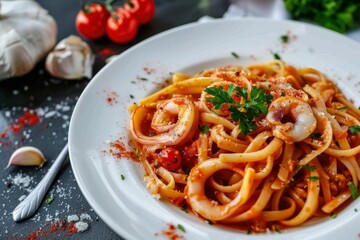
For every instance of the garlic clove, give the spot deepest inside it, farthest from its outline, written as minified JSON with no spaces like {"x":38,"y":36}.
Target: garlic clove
{"x":71,"y":58}
{"x":27,"y":156}
{"x":27,"y":34}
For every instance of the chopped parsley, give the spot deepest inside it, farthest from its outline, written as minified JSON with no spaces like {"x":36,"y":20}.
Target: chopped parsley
{"x":248,"y":232}
{"x":137,"y":152}
{"x":342,"y":108}
{"x":354,"y":129}
{"x":235,"y":55}
{"x":181,"y":228}
{"x":209,"y":222}
{"x":131,"y":96}
{"x":315,"y":135}
{"x":284,"y":38}
{"x":353,"y":190}
{"x":49,"y":200}
{"x":186,"y":178}
{"x":277,"y":56}
{"x":254,"y":104}
{"x":333,"y":215}
{"x":143,"y":79}
{"x":184,"y":208}
{"x":308,"y":167}
{"x":355,"y":209}
{"x":313,"y":178}
{"x":122,"y":177}
{"x":204,"y":129}
{"x":277,"y":229}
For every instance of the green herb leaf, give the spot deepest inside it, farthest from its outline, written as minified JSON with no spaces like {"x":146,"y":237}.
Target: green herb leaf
{"x":220,"y":96}
{"x":277,"y":229}
{"x":122,"y":177}
{"x":49,"y":200}
{"x":313,"y":178}
{"x":181,"y":228}
{"x":308,"y":167}
{"x":248,"y":232}
{"x":342,"y":108}
{"x":235,"y":55}
{"x":338,"y":15}
{"x":209,"y":222}
{"x":137,"y":152}
{"x":143,"y":79}
{"x":354,"y":129}
{"x":353,"y":190}
{"x":204,"y":129}
{"x":254,"y":105}
{"x":277,"y":56}
{"x":131,"y":96}
{"x":333,"y":215}
{"x":184,"y":208}
{"x":284,"y":38}
{"x":315,"y":135}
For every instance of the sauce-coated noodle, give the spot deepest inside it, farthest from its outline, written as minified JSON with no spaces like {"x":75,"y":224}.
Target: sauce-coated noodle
{"x":292,"y":158}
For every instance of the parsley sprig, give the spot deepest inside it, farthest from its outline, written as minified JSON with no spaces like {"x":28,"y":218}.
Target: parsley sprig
{"x":354,"y":129}
{"x":353,"y":190}
{"x":254,"y":104}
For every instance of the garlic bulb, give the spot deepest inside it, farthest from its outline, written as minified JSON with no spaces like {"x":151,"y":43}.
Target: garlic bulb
{"x":27,"y":34}
{"x":71,"y":59}
{"x":27,"y":156}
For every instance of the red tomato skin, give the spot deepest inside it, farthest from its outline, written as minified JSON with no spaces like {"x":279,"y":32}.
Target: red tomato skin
{"x":143,"y":10}
{"x":170,"y":158}
{"x":92,"y":25}
{"x":122,"y":27}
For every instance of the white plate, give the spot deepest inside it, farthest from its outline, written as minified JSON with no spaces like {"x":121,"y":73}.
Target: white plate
{"x":125,"y":205}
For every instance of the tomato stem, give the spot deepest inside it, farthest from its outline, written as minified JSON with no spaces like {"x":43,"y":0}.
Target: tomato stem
{"x":129,"y":2}
{"x":84,"y":7}
{"x":108,"y":5}
{"x":114,"y":17}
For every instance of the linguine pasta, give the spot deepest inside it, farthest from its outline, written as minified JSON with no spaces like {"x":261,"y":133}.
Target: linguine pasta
{"x":262,"y":147}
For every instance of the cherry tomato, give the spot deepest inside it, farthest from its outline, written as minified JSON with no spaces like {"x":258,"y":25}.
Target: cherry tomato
{"x":170,"y":158}
{"x":122,"y":26}
{"x":91,"y":21}
{"x":143,"y":10}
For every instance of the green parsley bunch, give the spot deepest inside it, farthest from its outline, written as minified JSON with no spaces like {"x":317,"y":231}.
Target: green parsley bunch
{"x":338,"y":15}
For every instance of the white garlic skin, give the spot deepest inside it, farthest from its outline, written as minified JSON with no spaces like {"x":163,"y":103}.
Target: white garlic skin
{"x":27,"y":34}
{"x":27,"y":156}
{"x":71,"y":58}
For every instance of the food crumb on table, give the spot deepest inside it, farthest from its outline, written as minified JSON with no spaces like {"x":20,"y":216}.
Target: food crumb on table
{"x":81,"y":226}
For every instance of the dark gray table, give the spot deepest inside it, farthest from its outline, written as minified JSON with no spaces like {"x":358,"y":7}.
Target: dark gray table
{"x":53,"y":100}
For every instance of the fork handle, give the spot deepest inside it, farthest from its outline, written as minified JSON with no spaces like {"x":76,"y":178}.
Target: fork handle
{"x":31,"y":203}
